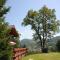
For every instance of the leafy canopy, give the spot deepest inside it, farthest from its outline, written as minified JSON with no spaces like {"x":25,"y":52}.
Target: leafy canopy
{"x":43,"y":22}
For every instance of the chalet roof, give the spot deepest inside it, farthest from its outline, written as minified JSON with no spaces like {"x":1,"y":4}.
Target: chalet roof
{"x":13,"y":31}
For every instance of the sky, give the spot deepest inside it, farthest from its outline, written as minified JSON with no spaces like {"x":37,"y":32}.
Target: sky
{"x":19,"y":9}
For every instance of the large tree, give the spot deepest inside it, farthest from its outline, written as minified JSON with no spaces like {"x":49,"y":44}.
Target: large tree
{"x":44,"y":24}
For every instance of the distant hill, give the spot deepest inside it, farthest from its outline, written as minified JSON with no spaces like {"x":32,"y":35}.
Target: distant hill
{"x":30,"y":44}
{"x":53,"y":40}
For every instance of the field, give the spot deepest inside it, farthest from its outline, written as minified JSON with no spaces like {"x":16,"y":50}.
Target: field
{"x":43,"y":56}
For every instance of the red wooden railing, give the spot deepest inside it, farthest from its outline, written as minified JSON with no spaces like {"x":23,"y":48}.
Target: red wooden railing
{"x":18,"y":53}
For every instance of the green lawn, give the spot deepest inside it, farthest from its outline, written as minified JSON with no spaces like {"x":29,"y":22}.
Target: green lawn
{"x":43,"y":56}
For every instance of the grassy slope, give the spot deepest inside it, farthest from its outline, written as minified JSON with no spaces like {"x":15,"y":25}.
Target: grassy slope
{"x":48,"y":56}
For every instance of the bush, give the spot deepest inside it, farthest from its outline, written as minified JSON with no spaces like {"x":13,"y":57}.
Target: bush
{"x":6,"y":54}
{"x":58,"y":45}
{"x":52,"y":48}
{"x":45,"y":50}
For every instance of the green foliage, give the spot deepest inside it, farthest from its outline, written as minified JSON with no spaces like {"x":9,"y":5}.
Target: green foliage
{"x":52,"y":43}
{"x":17,"y":45}
{"x":3,"y":9}
{"x":58,"y":45}
{"x":43,"y":22}
{"x":5,"y":48}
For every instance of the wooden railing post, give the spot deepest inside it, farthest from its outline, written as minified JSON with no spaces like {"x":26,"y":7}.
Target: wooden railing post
{"x":18,"y":53}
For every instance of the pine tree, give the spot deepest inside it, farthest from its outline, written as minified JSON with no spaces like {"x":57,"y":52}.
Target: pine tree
{"x":3,"y":8}
{"x":5,"y":48}
{"x":6,"y":34}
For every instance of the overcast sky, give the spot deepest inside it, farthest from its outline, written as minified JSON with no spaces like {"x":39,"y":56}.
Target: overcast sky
{"x":19,"y":9}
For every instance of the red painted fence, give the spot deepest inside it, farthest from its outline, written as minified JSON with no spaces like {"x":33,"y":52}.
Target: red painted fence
{"x":18,"y":53}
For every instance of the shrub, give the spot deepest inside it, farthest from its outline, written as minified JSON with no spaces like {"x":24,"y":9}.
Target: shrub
{"x":58,"y":45}
{"x":45,"y":50}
